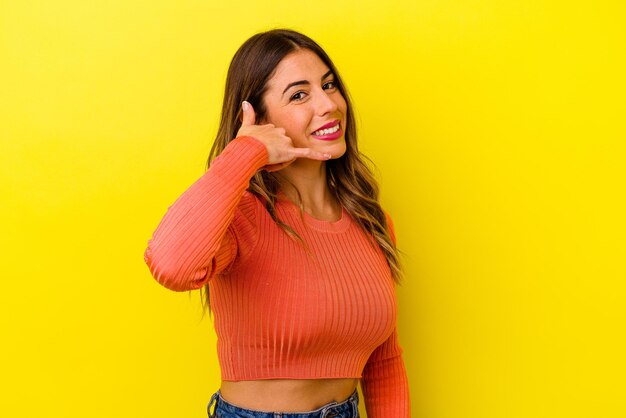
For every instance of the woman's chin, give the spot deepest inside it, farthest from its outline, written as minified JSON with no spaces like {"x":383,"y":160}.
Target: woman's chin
{"x":336,"y":151}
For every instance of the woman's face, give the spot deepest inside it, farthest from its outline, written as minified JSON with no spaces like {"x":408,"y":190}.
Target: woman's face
{"x":302,"y":98}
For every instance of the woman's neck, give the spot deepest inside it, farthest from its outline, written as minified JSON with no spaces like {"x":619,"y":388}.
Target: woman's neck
{"x":309,"y":178}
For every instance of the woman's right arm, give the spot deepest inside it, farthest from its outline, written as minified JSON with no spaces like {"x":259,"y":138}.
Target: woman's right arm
{"x":191,"y":239}
{"x":191,"y":243}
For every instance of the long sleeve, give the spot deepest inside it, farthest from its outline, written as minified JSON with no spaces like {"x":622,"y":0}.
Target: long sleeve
{"x":193,"y":241}
{"x":384,"y":384}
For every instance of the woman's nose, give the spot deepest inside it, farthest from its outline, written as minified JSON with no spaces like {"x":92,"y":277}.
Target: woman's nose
{"x":325,"y":103}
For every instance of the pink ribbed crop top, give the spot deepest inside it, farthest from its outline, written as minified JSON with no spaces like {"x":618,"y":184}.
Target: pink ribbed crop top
{"x":281,"y":313}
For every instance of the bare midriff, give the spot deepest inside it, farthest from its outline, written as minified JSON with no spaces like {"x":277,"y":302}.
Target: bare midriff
{"x":287,"y":395}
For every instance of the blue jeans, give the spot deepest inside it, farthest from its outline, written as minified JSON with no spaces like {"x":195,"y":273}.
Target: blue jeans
{"x":345,"y":409}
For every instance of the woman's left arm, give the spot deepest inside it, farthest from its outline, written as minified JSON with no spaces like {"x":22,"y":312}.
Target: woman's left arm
{"x":384,"y":384}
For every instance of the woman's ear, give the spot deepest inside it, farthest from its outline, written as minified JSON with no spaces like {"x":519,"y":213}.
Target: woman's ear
{"x":261,"y":115}
{"x":257,"y":120}
{"x":262,"y":119}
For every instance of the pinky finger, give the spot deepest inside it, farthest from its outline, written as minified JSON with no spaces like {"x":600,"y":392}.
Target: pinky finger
{"x":308,"y":153}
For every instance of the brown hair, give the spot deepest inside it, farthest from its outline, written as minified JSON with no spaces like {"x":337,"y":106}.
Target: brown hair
{"x":349,"y":179}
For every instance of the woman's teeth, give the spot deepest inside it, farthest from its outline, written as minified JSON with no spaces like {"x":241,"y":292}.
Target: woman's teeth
{"x":328,"y":131}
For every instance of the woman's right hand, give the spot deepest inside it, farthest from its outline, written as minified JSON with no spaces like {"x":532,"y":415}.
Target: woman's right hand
{"x":279,"y":146}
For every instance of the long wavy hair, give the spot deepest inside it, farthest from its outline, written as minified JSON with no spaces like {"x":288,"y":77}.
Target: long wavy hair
{"x":349,"y":178}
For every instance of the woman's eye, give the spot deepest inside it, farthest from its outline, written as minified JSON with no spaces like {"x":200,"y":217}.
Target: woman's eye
{"x":298,"y":96}
{"x":329,"y":85}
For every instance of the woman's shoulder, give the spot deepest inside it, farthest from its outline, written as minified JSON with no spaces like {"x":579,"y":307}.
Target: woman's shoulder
{"x":390,"y":224}
{"x":388,"y":216}
{"x":248,"y":206}
{"x":249,"y":199}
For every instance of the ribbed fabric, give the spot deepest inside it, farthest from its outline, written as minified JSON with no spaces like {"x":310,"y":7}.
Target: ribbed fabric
{"x":281,"y":313}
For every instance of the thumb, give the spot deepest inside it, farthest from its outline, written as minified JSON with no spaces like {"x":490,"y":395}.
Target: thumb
{"x":249,"y":117}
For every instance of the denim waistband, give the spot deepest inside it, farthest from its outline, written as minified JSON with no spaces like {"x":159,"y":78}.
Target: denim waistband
{"x":345,"y":409}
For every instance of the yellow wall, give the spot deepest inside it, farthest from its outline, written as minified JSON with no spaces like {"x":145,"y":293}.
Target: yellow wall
{"x":498,"y":130}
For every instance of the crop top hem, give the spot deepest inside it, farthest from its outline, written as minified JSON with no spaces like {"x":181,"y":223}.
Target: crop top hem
{"x":298,"y":377}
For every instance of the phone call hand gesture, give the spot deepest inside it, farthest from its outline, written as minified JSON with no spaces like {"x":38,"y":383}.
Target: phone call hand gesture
{"x":279,"y":146}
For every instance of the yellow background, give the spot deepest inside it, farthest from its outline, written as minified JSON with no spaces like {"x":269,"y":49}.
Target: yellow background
{"x":498,"y":132}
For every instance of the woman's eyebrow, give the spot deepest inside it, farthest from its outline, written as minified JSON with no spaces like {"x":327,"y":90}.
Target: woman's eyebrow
{"x":305,"y":82}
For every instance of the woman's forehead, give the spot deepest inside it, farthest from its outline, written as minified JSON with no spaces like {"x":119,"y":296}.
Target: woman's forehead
{"x":302,"y":64}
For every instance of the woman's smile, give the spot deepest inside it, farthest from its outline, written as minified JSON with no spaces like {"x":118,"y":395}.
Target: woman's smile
{"x":329,"y":132}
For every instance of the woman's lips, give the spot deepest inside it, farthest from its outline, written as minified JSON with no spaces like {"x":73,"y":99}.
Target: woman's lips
{"x":328,"y":125}
{"x":329,"y":132}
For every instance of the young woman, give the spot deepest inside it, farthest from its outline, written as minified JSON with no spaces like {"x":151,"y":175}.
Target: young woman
{"x":286,"y":234}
